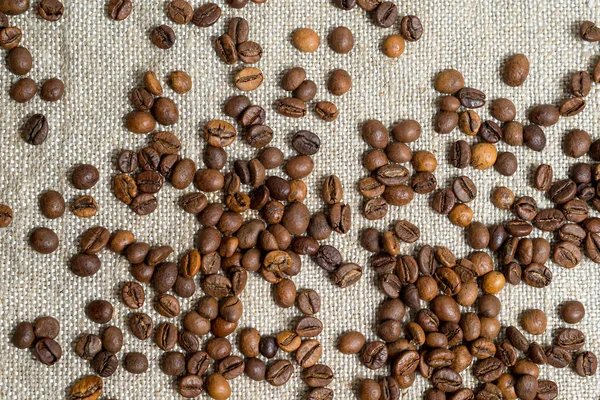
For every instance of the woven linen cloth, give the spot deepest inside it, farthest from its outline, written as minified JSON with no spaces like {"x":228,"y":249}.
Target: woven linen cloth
{"x":101,"y":61}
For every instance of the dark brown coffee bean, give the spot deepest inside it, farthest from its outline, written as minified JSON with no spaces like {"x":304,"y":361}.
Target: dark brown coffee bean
{"x":375,"y":209}
{"x":562,"y":191}
{"x":141,"y":325}
{"x":225,"y":48}
{"x":249,"y":52}
{"x":386,"y":14}
{"x":423,"y":182}
{"x":340,"y":218}
{"x":305,"y":142}
{"x":443,"y":201}
{"x":534,"y":137}
{"x":488,"y":370}
{"x":105,"y":364}
{"x":87,"y":346}
{"x":411,"y":28}
{"x":471,"y":98}
{"x":10,"y":36}
{"x":119,"y":9}
{"x":406,"y":231}
{"x":586,"y":364}
{"x":48,"y":351}
{"x":35,"y":130}
{"x":575,"y":234}
{"x":464,"y":189}
{"x":558,"y":357}
{"x":446,"y":380}
{"x":163,"y":37}
{"x":549,"y":220}
{"x":206,"y":15}
{"x":460,"y":154}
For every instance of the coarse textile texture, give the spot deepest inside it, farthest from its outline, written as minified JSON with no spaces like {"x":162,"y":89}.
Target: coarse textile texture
{"x":101,"y":60}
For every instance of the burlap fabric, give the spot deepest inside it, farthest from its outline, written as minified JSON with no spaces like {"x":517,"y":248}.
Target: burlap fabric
{"x":101,"y":61}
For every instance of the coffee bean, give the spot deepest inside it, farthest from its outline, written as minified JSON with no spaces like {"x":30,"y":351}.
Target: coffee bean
{"x":141,"y":325}
{"x":558,"y":357}
{"x":571,"y":107}
{"x":23,"y":90}
{"x":180,"y":11}
{"x":327,"y":111}
{"x":406,"y":231}
{"x":23,"y":336}
{"x":140,"y":122}
{"x":464,"y":189}
{"x":411,"y":28}
{"x":322,"y":393}
{"x":48,"y":351}
{"x":249,"y":52}
{"x":10,"y":36}
{"x":225,"y":48}
{"x":443,"y":201}
{"x":105,"y":364}
{"x":586,"y":364}
{"x":87,"y":346}
{"x":135,"y":363}
{"x":340,"y":218}
{"x":562,"y":191}
{"x":99,"y":311}
{"x":549,"y":219}
{"x":248,"y":79}
{"x":279,"y":373}
{"x":291,"y":107}
{"x":42,"y":240}
{"x":19,"y":61}
{"x":516,"y":70}
{"x":319,"y":375}
{"x":163,"y":37}
{"x":35,"y":130}
{"x":374,"y":355}
{"x":460,"y":154}
{"x":94,"y":240}
{"x":206,"y":15}
{"x":386,"y":14}
{"x":471,"y":98}
{"x":119,"y":9}
{"x":488,"y":369}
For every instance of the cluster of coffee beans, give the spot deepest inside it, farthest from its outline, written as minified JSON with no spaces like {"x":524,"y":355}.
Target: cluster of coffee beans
{"x":40,"y":337}
{"x":92,"y":242}
{"x":101,"y":351}
{"x":252,"y":118}
{"x":20,"y":62}
{"x":388,"y":183}
{"x":303,"y":90}
{"x":50,"y":10}
{"x":151,"y":107}
{"x":234,"y":45}
{"x":158,"y":161}
{"x":385,"y":15}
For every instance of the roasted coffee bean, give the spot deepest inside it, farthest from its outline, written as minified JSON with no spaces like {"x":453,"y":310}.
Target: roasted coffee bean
{"x":35,"y":130}
{"x":471,"y":98}
{"x":141,"y":325}
{"x":87,"y":346}
{"x":167,"y":305}
{"x":193,"y":203}
{"x":386,"y":14}
{"x":225,"y":48}
{"x":24,"y":336}
{"x":488,"y":370}
{"x":180,"y":11}
{"x":576,"y":234}
{"x":572,"y":311}
{"x":460,"y":154}
{"x":10,"y":36}
{"x":443,"y":201}
{"x":291,"y":107}
{"x":279,"y":373}
{"x":518,"y":228}
{"x":446,"y":380}
{"x":571,"y":107}
{"x":48,"y":351}
{"x":586,"y":364}
{"x":490,"y":132}
{"x":326,"y":110}
{"x":375,"y":209}
{"x":566,"y":254}
{"x":549,"y":220}
{"x":249,"y":52}
{"x":206,"y":15}
{"x":248,"y":79}
{"x":558,"y":357}
{"x":105,"y":364}
{"x":411,"y":28}
{"x":534,"y":137}
{"x":119,"y":9}
{"x":570,"y":339}
{"x":163,"y":37}
{"x":318,"y":375}
{"x":537,"y":275}
{"x":406,"y":231}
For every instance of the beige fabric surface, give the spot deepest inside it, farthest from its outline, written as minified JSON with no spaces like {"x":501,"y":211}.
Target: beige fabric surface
{"x":101,"y":61}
